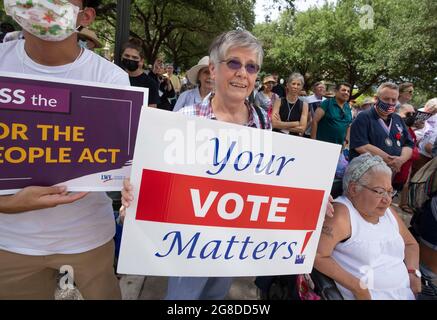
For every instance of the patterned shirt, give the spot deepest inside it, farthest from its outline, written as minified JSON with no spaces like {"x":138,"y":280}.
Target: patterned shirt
{"x":204,"y":110}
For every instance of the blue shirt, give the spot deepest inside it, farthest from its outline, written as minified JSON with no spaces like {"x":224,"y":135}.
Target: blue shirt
{"x":188,"y":98}
{"x":366,"y":129}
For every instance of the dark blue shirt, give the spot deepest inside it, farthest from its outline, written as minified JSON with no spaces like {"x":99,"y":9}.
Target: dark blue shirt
{"x":366,"y":129}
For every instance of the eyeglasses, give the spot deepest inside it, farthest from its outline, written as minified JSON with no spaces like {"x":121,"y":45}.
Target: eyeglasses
{"x":235,"y":64}
{"x":381,"y":193}
{"x":409,"y":91}
{"x":409,"y":114}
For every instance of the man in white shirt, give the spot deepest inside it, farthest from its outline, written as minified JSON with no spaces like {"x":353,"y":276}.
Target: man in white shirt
{"x":314,"y":101}
{"x":45,"y":230}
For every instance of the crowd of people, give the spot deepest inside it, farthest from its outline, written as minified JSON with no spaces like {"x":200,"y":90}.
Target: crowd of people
{"x":384,"y":143}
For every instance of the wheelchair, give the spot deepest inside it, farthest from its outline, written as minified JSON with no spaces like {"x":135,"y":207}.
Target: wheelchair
{"x":285,"y":287}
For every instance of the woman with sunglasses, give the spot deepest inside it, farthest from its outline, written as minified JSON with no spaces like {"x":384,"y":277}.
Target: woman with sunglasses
{"x":290,"y":114}
{"x":235,"y":59}
{"x":366,"y":248}
{"x":406,"y":91}
{"x":266,"y":98}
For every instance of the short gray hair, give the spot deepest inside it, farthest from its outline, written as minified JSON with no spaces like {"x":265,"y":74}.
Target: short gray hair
{"x":235,"y":39}
{"x":296,"y":76}
{"x":389,"y":85}
{"x":361,"y":167}
{"x":404,"y":106}
{"x":431,"y":105}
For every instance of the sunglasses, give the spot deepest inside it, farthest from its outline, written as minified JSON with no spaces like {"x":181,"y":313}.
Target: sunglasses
{"x":235,"y":64}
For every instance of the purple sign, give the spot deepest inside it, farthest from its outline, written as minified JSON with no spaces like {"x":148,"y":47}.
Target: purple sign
{"x":18,"y":96}
{"x":85,"y":140}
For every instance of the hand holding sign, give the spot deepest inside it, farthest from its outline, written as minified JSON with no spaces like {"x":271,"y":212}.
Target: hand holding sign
{"x":55,"y":133}
{"x":127,"y":196}
{"x":35,"y":198}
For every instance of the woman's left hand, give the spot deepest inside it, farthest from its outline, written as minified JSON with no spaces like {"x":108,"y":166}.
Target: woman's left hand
{"x":330,"y":207}
{"x":415,"y":284}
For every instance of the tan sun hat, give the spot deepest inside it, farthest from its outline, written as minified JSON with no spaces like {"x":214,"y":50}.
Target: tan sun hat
{"x":193,"y":73}
{"x":367,"y":100}
{"x":90,"y":35}
{"x":268,"y":79}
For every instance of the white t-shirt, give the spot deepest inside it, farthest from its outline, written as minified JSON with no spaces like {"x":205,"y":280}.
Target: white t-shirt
{"x":72,"y":228}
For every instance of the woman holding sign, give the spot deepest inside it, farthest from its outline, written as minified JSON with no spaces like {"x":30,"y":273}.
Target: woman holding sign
{"x":366,"y":248}
{"x":235,"y":60}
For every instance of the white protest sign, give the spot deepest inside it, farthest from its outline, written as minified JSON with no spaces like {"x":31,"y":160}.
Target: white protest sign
{"x":217,"y":199}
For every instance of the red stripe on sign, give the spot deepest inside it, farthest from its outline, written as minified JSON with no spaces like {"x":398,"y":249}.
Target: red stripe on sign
{"x":305,"y":242}
{"x":183,"y":199}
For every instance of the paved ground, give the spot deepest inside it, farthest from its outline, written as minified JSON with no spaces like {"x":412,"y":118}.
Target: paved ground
{"x":154,"y":288}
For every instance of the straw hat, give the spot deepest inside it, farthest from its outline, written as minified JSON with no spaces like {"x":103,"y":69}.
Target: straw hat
{"x":193,"y":73}
{"x":367,"y":100}
{"x":90,"y":35}
{"x":268,"y":79}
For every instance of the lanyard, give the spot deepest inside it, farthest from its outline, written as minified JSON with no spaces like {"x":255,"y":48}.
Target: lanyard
{"x":290,"y":109}
{"x":384,"y":126}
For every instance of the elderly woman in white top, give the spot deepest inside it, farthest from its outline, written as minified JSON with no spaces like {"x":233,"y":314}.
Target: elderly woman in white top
{"x":200,"y":75}
{"x":365,"y":247}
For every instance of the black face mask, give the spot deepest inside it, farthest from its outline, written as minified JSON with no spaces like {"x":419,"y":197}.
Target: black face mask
{"x":409,"y":121}
{"x":130,"y":65}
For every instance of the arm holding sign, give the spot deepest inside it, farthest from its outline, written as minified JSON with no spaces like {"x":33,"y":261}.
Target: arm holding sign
{"x":35,"y":198}
{"x":127,"y":196}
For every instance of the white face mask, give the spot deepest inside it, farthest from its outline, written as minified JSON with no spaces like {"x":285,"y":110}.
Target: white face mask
{"x":45,"y":19}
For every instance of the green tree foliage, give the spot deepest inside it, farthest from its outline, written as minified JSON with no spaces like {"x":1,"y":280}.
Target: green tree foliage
{"x":6,"y":18}
{"x":361,"y":42}
{"x":182,"y":29}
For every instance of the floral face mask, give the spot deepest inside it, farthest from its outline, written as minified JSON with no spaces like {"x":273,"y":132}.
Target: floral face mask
{"x":50,"y":20}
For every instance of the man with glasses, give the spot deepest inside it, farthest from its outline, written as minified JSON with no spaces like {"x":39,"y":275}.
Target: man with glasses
{"x":382,"y":132}
{"x":332,"y":119}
